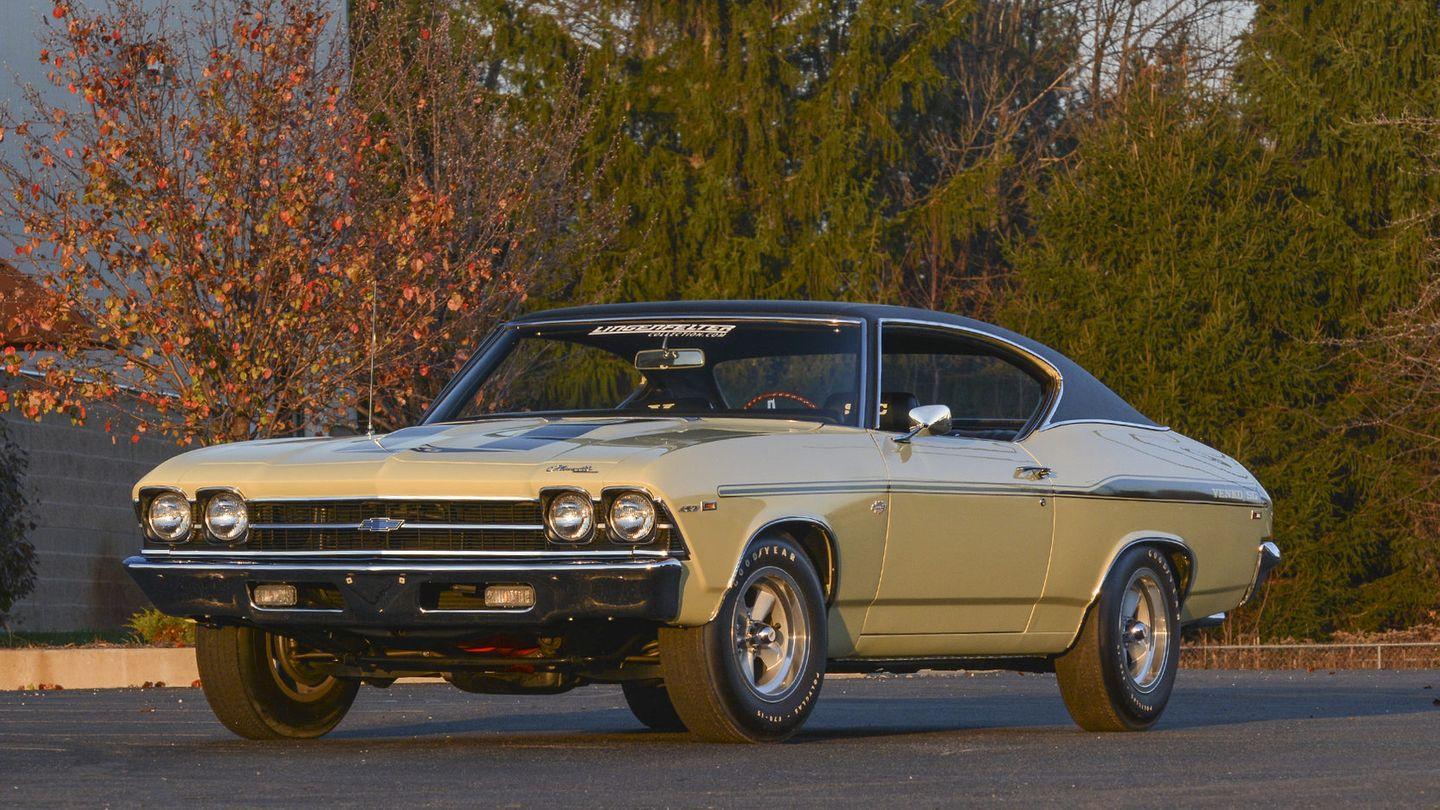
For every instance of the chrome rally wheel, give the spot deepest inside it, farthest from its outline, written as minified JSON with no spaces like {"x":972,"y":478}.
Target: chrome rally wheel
{"x":771,"y":639}
{"x":1144,"y":630}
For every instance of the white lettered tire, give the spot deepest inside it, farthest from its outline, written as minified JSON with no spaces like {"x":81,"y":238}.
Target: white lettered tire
{"x":753,"y":673}
{"x":1119,"y":674}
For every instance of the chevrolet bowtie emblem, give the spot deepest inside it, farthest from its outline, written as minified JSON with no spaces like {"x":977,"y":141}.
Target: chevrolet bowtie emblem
{"x":380,"y":524}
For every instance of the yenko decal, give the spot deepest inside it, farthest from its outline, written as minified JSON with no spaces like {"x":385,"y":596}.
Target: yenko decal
{"x":700,"y":330}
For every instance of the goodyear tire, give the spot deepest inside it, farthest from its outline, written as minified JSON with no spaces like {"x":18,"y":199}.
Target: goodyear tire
{"x":1119,"y":674}
{"x":754,"y":672}
{"x":260,"y":690}
{"x":651,"y":705}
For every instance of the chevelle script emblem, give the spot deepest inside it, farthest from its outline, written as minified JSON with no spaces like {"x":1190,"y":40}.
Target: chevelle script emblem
{"x":380,"y":524}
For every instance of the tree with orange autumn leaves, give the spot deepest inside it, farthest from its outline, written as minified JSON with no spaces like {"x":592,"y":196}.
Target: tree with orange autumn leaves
{"x":234,"y":189}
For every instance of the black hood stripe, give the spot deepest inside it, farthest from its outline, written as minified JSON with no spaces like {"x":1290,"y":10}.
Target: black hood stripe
{"x":529,"y":440}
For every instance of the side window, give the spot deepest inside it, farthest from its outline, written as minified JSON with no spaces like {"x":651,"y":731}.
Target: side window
{"x":989,"y":395}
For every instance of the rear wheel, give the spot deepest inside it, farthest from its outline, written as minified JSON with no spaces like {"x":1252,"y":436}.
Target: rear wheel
{"x":262,"y":687}
{"x":1119,"y":674}
{"x":754,"y":672}
{"x":651,"y":705}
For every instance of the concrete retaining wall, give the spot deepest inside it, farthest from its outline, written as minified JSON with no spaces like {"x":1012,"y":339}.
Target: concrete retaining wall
{"x":97,"y":668}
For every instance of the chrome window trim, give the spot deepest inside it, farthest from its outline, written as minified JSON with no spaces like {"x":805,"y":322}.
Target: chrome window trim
{"x":1032,"y":425}
{"x":1112,"y":422}
{"x":680,"y":313}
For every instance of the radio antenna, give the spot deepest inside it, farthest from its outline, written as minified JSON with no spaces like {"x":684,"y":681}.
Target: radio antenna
{"x":374,"y":341}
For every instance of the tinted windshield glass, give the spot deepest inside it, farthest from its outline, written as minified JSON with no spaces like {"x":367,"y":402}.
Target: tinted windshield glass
{"x":704,"y":367}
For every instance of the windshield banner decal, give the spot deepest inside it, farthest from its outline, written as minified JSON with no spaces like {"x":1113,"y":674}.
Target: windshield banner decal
{"x":695,"y":330}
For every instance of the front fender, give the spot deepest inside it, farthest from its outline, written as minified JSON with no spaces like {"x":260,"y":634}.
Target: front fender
{"x":718,"y":538}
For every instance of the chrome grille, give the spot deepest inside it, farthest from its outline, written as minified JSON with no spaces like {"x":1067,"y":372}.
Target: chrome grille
{"x":429,"y":527}
{"x":417,"y":511}
{"x":294,"y":538}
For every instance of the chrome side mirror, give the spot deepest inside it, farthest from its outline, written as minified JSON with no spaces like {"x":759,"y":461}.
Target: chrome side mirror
{"x":933,"y":420}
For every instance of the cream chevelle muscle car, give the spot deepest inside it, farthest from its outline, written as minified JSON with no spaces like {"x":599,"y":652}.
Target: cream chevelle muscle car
{"x":711,"y":504}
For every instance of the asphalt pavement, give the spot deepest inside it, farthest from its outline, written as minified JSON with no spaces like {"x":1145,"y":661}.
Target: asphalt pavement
{"x":1282,"y":738}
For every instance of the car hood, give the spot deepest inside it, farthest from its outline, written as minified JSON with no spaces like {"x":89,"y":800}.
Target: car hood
{"x":509,"y":457}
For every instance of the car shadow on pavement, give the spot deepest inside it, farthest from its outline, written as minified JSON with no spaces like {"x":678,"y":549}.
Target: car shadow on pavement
{"x":838,"y":718}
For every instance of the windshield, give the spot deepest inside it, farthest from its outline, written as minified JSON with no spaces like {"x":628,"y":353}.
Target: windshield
{"x":691,"y":367}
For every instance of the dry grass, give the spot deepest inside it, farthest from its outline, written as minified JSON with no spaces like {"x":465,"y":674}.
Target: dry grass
{"x":1415,"y":648}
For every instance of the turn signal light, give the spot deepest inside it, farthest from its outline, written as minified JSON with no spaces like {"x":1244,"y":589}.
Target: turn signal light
{"x":276,"y":596}
{"x":509,"y":596}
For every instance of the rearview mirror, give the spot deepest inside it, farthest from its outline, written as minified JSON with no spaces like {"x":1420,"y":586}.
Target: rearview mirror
{"x":933,"y":420}
{"x":666,"y":359}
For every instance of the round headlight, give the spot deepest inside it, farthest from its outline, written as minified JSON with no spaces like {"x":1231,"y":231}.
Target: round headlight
{"x":225,"y":516}
{"x":169,"y":517}
{"x":632,"y":517}
{"x":571,"y":517}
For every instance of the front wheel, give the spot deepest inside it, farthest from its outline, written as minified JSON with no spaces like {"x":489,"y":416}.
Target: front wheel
{"x":754,"y":672}
{"x":1119,"y":674}
{"x":651,"y":705}
{"x":261,"y":686}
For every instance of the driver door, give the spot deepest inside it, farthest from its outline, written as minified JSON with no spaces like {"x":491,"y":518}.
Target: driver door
{"x":968,"y":546}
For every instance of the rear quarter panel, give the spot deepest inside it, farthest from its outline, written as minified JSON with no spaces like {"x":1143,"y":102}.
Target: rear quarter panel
{"x":1116,"y":484}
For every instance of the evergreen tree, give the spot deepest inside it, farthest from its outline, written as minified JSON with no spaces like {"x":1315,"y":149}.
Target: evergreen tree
{"x":1215,"y":262}
{"x":1336,"y":87}
{"x":826,"y":149}
{"x":1166,"y":263}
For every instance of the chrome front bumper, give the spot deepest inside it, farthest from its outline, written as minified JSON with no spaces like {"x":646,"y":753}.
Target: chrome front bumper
{"x":389,"y":595}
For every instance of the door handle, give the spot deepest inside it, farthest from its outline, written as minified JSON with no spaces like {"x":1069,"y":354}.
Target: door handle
{"x":1034,"y":473}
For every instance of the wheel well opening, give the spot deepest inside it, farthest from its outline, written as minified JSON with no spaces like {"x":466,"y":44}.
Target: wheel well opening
{"x":1181,"y":565}
{"x":819,"y":546}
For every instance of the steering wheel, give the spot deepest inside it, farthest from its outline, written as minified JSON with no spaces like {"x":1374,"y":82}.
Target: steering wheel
{"x":793,"y":397}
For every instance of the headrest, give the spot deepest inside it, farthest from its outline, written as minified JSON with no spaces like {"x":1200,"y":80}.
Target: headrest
{"x":895,"y":407}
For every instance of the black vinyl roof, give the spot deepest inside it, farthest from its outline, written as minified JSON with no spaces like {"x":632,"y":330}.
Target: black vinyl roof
{"x":1083,"y":398}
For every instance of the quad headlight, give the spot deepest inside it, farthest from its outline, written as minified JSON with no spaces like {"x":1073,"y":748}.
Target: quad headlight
{"x":570,"y":517}
{"x":168,"y":517}
{"x":226,"y":516}
{"x":632,"y":517}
